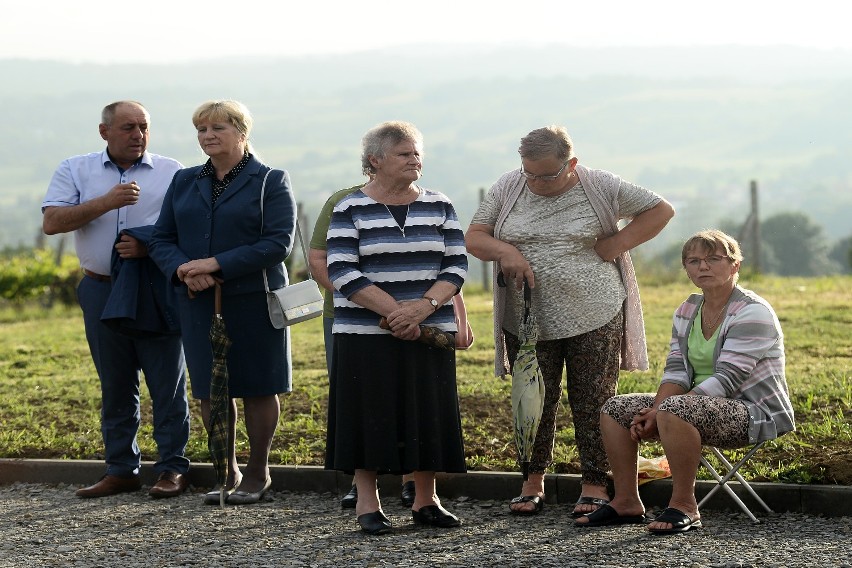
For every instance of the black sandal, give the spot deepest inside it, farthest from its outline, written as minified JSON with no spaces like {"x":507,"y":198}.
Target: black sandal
{"x":606,"y":516}
{"x":585,"y":500}
{"x":680,"y":522}
{"x":536,"y":500}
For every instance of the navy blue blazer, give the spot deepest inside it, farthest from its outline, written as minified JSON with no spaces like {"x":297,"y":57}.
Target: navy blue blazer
{"x":190,"y":227}
{"x":141,"y":303}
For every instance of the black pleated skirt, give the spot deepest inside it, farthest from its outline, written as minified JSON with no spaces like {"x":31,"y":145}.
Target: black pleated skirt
{"x":393,"y":407}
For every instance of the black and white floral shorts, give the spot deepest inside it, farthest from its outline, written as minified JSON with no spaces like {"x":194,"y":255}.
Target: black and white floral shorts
{"x":721,"y":422}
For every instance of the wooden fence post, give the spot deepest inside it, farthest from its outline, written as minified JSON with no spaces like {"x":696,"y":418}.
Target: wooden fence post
{"x":486,"y":266}
{"x":749,"y":235}
{"x":755,"y":233}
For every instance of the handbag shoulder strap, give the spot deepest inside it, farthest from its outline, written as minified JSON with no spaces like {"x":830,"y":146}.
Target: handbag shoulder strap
{"x":298,"y":233}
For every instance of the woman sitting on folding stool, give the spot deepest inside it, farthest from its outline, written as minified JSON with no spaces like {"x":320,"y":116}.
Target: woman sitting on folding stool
{"x":723,"y":385}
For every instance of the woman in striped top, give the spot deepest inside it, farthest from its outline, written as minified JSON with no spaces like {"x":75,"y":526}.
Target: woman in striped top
{"x":395,"y":250}
{"x":723,"y":385}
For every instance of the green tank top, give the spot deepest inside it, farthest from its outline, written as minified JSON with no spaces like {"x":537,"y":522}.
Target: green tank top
{"x":701,"y":351}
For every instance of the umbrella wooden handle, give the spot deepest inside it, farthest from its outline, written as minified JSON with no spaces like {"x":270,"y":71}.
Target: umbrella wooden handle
{"x":217,"y":299}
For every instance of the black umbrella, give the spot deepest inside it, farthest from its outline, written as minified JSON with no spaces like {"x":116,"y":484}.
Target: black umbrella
{"x":220,"y":402}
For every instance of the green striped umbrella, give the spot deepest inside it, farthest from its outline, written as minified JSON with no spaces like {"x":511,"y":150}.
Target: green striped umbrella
{"x":220,"y":403}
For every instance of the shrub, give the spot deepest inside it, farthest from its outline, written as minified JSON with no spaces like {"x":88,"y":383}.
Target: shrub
{"x":38,"y":274}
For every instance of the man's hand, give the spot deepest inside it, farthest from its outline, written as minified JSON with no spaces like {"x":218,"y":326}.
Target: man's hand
{"x":66,"y":219}
{"x":122,"y":195}
{"x":128,"y":247}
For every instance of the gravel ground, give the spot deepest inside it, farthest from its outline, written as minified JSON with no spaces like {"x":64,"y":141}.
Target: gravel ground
{"x":44,"y":525}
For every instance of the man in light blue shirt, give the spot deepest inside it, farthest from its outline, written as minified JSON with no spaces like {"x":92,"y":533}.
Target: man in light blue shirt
{"x":98,"y":196}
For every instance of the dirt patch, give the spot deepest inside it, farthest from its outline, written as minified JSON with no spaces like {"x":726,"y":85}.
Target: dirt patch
{"x":830,"y":465}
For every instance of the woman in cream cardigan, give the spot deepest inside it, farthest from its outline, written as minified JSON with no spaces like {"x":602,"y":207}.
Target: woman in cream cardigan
{"x":555,"y":224}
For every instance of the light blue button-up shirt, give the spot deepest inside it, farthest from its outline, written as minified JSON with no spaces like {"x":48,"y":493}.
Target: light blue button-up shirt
{"x":82,"y":178}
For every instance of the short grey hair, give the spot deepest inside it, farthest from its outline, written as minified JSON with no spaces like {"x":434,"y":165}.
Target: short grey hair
{"x":108,"y":113}
{"x":548,"y":142}
{"x":379,"y":139}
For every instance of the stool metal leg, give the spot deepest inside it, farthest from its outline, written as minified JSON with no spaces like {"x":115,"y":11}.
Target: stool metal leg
{"x":733,"y":472}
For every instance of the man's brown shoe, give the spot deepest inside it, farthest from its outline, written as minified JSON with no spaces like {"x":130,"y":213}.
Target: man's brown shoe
{"x":110,"y":485}
{"x":170,"y":484}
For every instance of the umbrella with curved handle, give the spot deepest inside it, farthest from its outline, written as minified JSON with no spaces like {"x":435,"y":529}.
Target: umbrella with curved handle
{"x":527,"y":386}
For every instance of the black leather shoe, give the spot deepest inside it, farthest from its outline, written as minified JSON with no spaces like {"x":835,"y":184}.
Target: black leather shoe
{"x":350,"y":499}
{"x":407,"y":495}
{"x":375,"y":523}
{"x":435,"y":516}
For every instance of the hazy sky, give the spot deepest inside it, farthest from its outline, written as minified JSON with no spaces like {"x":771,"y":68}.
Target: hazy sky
{"x":163,"y":31}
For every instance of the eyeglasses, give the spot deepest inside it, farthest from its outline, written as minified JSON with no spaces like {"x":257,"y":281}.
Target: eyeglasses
{"x":533,"y":177}
{"x":712,"y":260}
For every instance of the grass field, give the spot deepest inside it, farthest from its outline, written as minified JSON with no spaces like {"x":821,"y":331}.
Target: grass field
{"x":50,"y":397}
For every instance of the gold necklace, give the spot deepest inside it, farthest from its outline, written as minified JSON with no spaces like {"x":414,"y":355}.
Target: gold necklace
{"x":712,"y":324}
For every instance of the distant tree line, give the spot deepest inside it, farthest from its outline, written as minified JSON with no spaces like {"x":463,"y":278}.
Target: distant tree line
{"x":791,"y":244}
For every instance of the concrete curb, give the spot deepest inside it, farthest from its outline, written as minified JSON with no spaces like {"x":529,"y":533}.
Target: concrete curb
{"x":827,"y":500}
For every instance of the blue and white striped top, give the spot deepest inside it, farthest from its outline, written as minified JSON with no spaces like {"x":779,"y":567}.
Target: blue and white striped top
{"x":366,"y":246}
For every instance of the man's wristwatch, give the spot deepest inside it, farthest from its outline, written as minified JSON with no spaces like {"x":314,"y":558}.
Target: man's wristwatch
{"x":432,"y":301}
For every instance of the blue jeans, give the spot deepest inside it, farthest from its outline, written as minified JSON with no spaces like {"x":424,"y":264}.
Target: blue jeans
{"x":118,"y":360}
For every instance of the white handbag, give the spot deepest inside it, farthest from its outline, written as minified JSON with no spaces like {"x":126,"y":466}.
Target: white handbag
{"x":293,"y":303}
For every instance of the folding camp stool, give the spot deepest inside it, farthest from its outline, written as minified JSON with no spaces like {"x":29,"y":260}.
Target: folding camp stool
{"x":733,"y":472}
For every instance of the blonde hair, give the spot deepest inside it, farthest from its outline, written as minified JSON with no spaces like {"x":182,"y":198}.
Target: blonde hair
{"x":230,"y":111}
{"x":709,"y":241}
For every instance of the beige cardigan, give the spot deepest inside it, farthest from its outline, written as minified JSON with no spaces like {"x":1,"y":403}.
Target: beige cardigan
{"x":601,"y":188}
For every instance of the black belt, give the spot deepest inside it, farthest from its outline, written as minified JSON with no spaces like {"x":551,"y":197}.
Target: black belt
{"x":96,"y":276}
